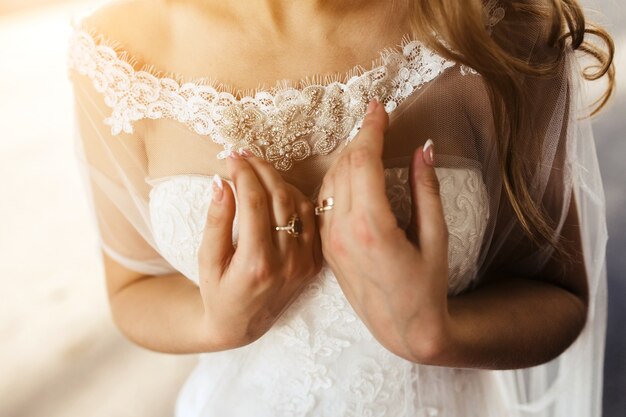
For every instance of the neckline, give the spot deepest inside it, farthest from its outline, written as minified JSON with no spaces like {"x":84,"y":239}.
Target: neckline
{"x":334,"y":111}
{"x":135,"y":62}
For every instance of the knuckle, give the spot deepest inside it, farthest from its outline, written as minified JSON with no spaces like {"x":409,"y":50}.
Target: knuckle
{"x":255,"y":199}
{"x":360,"y":157}
{"x":283,"y":197}
{"x":362,"y":230}
{"x":387,"y":221}
{"x":235,"y":169}
{"x":306,"y":208}
{"x":260,"y":272}
{"x":343,"y":161}
{"x":336,"y":240}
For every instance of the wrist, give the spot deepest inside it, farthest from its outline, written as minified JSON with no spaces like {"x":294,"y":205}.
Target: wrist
{"x":430,"y":339}
{"x":215,"y":337}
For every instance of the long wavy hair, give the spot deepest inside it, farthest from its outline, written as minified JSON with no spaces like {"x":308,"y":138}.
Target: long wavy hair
{"x":504,"y":65}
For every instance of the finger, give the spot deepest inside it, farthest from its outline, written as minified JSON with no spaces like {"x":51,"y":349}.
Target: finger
{"x":431,"y":228}
{"x":309,"y":246}
{"x":305,"y":209}
{"x":282,"y":200}
{"x":341,"y":185}
{"x":366,"y":166}
{"x":326,"y":191}
{"x":372,"y":129}
{"x":253,"y":210}
{"x":216,"y":248}
{"x":413,"y":227}
{"x":367,"y":142}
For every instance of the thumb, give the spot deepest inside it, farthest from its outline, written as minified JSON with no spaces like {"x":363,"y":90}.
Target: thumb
{"x":216,"y":247}
{"x":428,"y":226}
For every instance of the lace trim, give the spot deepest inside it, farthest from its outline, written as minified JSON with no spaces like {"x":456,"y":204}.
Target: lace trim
{"x":283,"y":126}
{"x":139,"y":64}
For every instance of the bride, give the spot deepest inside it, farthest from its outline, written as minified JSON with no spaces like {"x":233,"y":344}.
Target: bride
{"x":351,"y":208}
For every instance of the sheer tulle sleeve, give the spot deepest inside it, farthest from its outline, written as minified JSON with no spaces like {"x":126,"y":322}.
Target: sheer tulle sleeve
{"x":565,"y":184}
{"x":113,"y":170}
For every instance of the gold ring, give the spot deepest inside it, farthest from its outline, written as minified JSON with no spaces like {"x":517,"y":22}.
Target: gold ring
{"x":327,"y":204}
{"x":294,"y":227}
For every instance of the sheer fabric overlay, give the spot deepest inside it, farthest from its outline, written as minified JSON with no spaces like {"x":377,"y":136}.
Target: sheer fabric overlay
{"x":148,"y":145}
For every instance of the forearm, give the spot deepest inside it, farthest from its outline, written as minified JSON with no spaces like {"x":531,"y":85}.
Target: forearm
{"x":164,"y":314}
{"x":509,"y":324}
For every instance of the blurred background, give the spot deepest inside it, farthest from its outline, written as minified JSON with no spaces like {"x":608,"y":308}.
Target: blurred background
{"x":60,"y":354}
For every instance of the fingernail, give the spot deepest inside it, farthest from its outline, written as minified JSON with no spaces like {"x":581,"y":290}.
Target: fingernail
{"x":428,"y":152}
{"x":234,"y":155}
{"x":245,"y":152}
{"x":217,"y":187}
{"x":371,"y":106}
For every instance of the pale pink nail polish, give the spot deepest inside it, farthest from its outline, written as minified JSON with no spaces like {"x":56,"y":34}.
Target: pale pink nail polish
{"x":217,"y":187}
{"x":428,"y":152}
{"x":234,"y":155}
{"x":245,"y":152}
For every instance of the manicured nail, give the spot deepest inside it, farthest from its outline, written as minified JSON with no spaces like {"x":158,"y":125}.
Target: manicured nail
{"x":371,"y":107}
{"x":428,"y":152}
{"x":234,"y":155}
{"x":217,"y":187}
{"x":245,"y":152}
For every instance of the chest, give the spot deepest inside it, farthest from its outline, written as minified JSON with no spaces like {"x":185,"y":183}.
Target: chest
{"x":245,"y":53}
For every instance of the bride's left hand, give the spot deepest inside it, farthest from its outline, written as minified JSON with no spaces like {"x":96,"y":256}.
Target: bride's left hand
{"x":398,"y":286}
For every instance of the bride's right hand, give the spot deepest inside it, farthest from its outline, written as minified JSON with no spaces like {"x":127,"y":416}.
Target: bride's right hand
{"x":245,"y":289}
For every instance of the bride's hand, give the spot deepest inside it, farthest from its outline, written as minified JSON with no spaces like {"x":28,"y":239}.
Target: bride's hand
{"x":393,"y":283}
{"x":245,"y":289}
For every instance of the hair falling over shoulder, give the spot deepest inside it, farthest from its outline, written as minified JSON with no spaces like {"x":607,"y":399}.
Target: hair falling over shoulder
{"x":530,"y":42}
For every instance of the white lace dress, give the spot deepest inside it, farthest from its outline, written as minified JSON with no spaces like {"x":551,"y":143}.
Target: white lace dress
{"x":319,"y":359}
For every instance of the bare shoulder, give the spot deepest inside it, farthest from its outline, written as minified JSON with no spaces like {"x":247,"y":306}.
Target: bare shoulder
{"x":171,"y":36}
{"x":140,"y":26}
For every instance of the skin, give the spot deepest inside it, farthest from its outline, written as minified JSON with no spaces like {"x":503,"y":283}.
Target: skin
{"x":242,"y":290}
{"x":394,"y":279}
{"x":399,"y":286}
{"x":245,"y":289}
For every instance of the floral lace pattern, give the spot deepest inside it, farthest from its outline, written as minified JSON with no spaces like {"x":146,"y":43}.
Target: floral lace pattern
{"x":297,"y":372}
{"x":283,"y":128}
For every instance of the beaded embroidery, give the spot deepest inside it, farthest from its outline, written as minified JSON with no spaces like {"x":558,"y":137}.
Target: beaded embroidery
{"x":284,"y":128}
